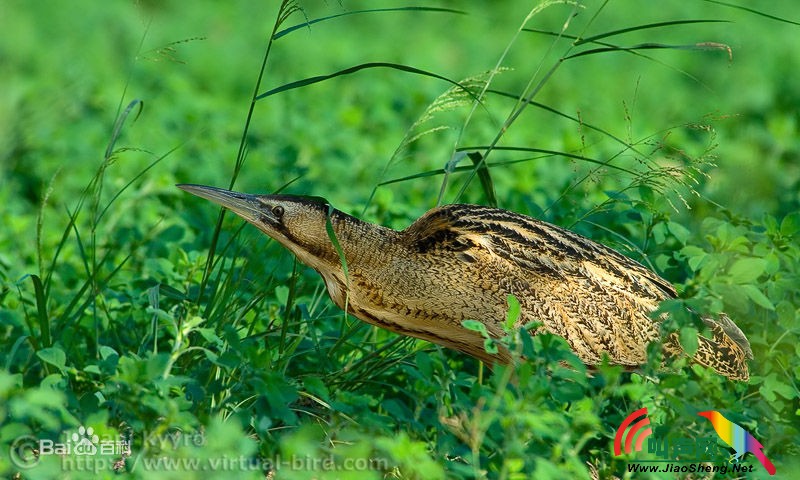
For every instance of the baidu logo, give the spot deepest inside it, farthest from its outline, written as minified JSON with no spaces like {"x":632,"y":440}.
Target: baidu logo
{"x":26,"y":451}
{"x":84,"y":441}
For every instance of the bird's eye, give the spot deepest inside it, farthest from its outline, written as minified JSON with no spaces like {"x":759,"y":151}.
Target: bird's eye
{"x":277,"y":210}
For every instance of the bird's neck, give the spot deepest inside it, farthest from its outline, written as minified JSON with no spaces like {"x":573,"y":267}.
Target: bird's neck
{"x":365,"y":247}
{"x":363,"y":244}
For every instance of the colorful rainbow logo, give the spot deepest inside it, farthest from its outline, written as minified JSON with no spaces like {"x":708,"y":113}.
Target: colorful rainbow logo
{"x":738,"y":438}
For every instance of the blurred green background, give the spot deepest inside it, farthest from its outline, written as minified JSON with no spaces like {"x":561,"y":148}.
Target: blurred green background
{"x":721,"y":105}
{"x":66,"y":68}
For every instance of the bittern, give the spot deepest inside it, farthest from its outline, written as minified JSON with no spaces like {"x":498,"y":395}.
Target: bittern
{"x":461,"y":262}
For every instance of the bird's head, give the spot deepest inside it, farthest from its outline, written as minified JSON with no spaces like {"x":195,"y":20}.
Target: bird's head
{"x":299,"y":223}
{"x":708,"y":414}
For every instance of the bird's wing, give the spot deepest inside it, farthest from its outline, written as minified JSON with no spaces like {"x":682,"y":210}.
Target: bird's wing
{"x":538,"y":247}
{"x":596,"y":298}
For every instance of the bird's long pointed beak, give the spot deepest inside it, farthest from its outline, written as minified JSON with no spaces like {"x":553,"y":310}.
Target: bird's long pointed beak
{"x":245,"y":205}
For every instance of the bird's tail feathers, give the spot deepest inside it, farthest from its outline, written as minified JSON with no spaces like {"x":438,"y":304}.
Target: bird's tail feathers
{"x":764,"y":460}
{"x":729,"y":330}
{"x":727,"y":352}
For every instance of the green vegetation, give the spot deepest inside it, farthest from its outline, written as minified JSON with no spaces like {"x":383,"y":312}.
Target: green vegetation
{"x":668,"y":132}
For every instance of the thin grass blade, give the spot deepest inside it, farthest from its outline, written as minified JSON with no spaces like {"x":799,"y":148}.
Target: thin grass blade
{"x":41,"y":311}
{"x":364,"y":66}
{"x":115,"y":133}
{"x":308,"y":23}
{"x":485,"y":177}
{"x":656,"y":46}
{"x":754,"y":11}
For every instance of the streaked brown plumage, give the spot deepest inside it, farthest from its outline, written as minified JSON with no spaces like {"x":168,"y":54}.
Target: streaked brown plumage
{"x":460,"y":262}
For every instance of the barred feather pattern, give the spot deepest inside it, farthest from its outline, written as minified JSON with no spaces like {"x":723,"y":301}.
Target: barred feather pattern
{"x":460,"y":262}
{"x":599,"y":300}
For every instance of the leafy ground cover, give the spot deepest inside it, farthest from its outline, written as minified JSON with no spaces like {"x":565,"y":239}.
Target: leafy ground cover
{"x":133,"y":312}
